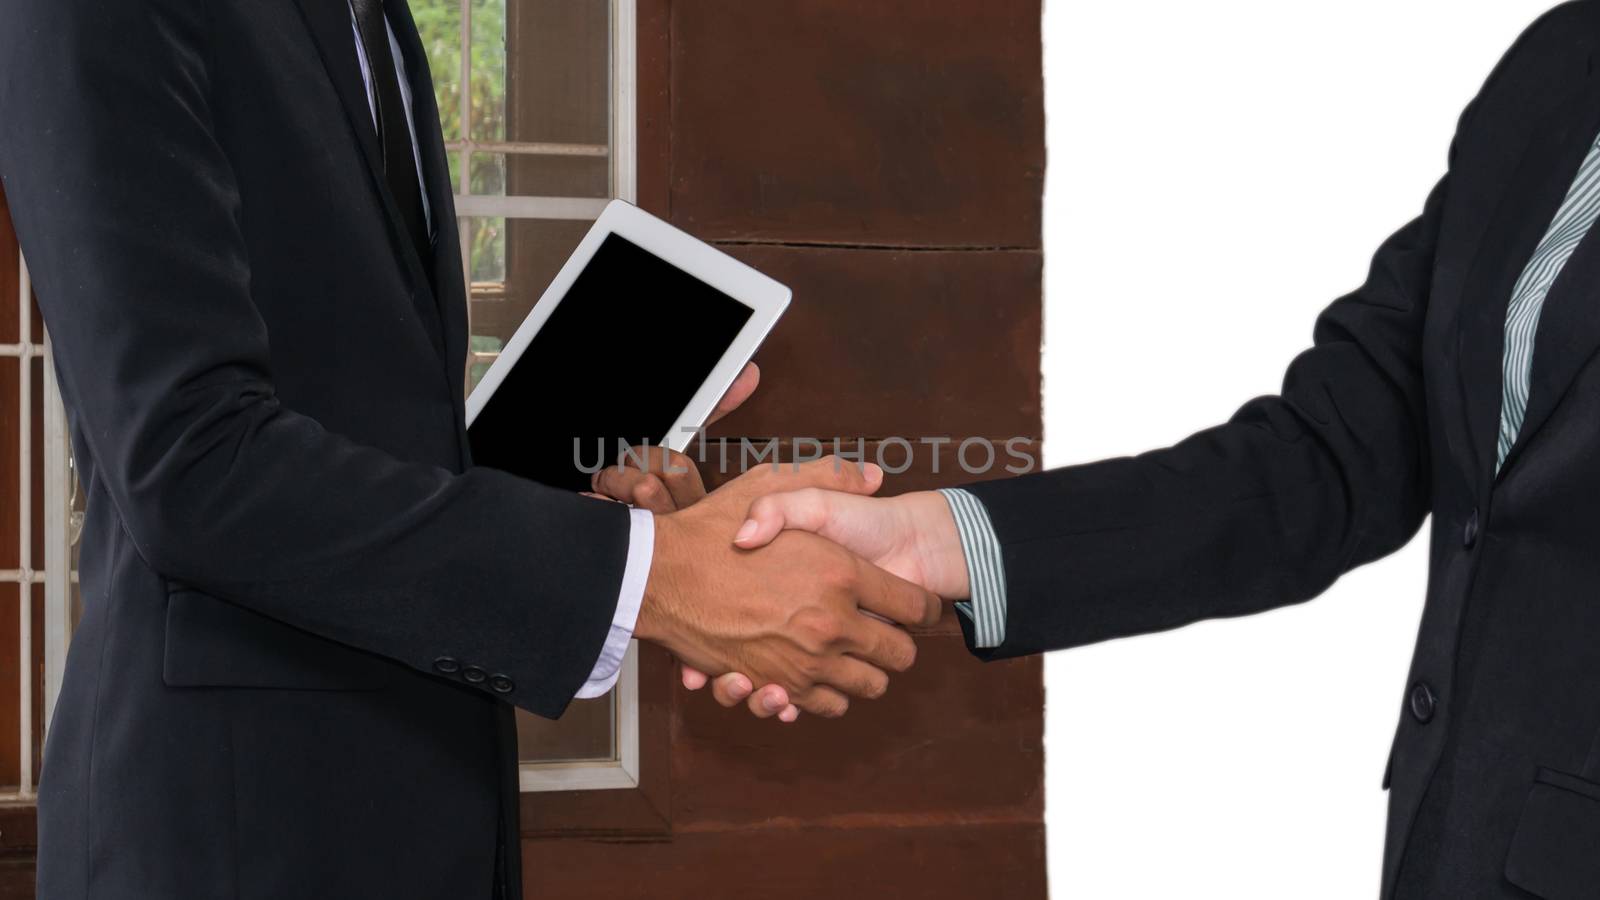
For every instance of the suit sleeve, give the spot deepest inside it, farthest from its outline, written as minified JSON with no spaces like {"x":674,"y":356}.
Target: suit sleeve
{"x":130,"y":218}
{"x":1266,"y":510}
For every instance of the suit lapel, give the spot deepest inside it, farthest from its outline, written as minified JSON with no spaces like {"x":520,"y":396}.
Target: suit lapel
{"x":329,"y":23}
{"x":1558,"y":145}
{"x":1569,"y":324}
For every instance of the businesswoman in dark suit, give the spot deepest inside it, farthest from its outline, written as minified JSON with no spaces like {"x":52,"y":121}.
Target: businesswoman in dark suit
{"x":1460,"y":381}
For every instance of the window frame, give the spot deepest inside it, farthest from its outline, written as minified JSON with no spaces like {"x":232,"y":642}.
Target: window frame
{"x":622,"y":771}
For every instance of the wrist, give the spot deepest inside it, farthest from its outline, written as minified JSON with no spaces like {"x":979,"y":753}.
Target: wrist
{"x":938,"y":544}
{"x":661,"y":586}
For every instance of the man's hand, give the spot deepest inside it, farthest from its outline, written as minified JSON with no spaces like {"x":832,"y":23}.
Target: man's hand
{"x":662,"y":481}
{"x":789,"y":615}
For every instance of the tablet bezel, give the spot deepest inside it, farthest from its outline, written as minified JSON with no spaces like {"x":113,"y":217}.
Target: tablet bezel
{"x":766,"y":298}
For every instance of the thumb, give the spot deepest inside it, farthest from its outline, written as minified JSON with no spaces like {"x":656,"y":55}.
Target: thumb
{"x":810,"y":510}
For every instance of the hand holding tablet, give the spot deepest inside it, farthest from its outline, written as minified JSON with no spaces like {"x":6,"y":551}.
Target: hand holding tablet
{"x":637,"y":338}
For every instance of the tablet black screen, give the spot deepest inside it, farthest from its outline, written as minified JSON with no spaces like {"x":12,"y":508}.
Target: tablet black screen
{"x":619,"y":358}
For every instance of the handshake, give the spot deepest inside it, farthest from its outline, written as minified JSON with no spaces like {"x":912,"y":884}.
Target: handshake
{"x":791,"y":577}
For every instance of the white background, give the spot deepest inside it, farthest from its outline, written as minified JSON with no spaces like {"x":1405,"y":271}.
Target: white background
{"x":1219,"y":172}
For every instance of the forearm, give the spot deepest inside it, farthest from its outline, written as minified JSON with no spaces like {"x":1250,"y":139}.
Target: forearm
{"x":1199,"y":531}
{"x":409,"y":561}
{"x":1265,"y":510}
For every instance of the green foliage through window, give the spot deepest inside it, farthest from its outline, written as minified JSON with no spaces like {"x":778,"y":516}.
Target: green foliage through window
{"x":439,"y":22}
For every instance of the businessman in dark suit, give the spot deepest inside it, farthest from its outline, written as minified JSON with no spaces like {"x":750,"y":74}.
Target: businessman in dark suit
{"x":306,"y":615}
{"x":1460,"y":381}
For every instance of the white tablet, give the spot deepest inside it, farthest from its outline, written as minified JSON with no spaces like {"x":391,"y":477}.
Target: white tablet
{"x":637,"y":338}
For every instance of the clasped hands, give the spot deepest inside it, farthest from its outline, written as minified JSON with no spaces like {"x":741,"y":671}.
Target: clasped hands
{"x":792,"y":577}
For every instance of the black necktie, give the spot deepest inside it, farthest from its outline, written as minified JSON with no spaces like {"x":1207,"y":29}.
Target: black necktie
{"x":394,"y":133}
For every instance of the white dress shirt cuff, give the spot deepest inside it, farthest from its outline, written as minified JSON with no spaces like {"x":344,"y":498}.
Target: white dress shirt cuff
{"x":641,"y":548}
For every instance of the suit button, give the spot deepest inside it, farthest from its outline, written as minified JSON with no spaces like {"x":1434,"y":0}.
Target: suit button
{"x":447,"y":665}
{"x":1423,"y":703}
{"x":1469,"y":533}
{"x":473,"y":675}
{"x":501,"y":684}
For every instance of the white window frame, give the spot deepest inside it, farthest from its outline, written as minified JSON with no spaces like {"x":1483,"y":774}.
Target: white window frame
{"x":620,"y":772}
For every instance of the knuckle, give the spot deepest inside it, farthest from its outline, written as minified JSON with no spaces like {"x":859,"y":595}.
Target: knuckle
{"x":901,"y":655}
{"x":804,"y":669}
{"x":839,"y":571}
{"x":765,"y":508}
{"x":876,"y":687}
{"x":810,"y":670}
{"x":648,"y":488}
{"x":812,"y":499}
{"x":827,"y":629}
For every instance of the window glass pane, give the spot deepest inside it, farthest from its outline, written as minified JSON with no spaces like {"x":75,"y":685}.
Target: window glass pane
{"x":512,"y":262}
{"x":538,"y":88}
{"x":490,"y":49}
{"x":566,"y":175}
{"x":455,"y":170}
{"x":563,"y":170}
{"x":489,"y":174}
{"x":556,"y":74}
{"x":583,"y":733}
{"x":486,"y":246}
{"x":439,"y":24}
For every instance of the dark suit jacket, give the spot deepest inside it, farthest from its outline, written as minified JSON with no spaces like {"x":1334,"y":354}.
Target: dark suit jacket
{"x":304,"y":614}
{"x":1390,"y":417}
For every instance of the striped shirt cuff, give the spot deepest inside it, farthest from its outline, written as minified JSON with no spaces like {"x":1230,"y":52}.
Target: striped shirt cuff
{"x":985,"y":571}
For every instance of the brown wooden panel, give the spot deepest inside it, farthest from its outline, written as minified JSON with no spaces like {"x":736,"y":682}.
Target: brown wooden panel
{"x":881,"y":343}
{"x":654,"y":72}
{"x":19,"y":830}
{"x":933,"y":861}
{"x":897,"y":122}
{"x":17,"y":879}
{"x":908,"y":757}
{"x":19,"y":841}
